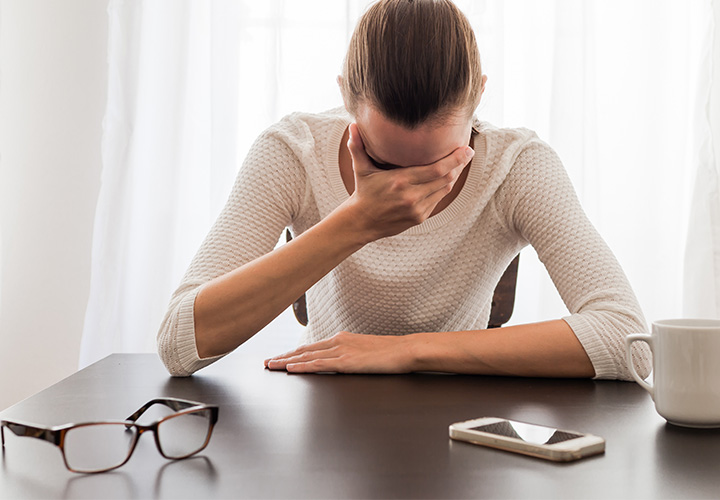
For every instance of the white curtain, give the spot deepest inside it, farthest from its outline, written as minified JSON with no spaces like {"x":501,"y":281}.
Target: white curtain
{"x":191,"y":85}
{"x":169,"y":152}
{"x":618,"y":88}
{"x":702,"y":257}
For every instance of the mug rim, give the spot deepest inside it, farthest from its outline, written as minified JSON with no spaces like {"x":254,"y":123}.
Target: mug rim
{"x":694,"y":323}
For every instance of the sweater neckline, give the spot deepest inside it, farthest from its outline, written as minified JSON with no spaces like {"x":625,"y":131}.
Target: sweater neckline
{"x":455,"y":208}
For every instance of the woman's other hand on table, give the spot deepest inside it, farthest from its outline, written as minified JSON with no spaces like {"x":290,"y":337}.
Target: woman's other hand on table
{"x":348,"y":352}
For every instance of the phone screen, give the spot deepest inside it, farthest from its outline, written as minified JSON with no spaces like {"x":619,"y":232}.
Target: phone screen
{"x":530,"y":433}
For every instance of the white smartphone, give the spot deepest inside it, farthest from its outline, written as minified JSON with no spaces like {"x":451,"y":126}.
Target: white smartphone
{"x":529,"y":439}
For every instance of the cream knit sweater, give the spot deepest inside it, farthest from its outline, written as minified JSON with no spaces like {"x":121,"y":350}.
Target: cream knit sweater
{"x":437,"y":276}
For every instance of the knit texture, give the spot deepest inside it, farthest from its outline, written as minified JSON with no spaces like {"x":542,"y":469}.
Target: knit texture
{"x":437,"y":276}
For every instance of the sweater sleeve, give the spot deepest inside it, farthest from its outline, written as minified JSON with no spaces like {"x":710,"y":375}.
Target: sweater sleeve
{"x":267,"y":195}
{"x":544,"y":209}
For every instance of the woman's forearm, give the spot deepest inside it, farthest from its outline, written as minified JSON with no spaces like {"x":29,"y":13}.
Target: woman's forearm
{"x":547,"y":349}
{"x":232,"y":308}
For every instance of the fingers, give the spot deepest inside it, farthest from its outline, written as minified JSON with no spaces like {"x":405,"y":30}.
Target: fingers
{"x":325,"y":360}
{"x":360,"y":160}
{"x":433,"y":182}
{"x":281,"y":363}
{"x":454,"y":162}
{"x":418,"y":174}
{"x":329,"y":355}
{"x":306,"y":353}
{"x":347,"y":352}
{"x":355,"y":142}
{"x":392,"y":200}
{"x":325,"y":365}
{"x":298,"y":351}
{"x":309,"y":366}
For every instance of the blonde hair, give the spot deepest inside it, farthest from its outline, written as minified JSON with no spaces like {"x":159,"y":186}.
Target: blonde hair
{"x":413,"y":61}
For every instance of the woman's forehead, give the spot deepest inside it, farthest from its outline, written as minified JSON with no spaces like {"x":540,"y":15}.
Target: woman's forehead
{"x":388,"y":142}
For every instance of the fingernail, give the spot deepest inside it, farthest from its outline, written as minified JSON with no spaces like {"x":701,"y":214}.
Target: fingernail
{"x":469,"y":152}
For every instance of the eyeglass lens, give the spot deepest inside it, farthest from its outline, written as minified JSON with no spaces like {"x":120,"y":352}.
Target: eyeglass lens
{"x":184,"y":434}
{"x":98,"y":447}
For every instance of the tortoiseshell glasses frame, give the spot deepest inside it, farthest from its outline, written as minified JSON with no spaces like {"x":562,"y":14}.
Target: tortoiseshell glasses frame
{"x":187,"y":436}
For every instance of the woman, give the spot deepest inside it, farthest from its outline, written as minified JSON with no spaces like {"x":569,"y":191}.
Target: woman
{"x":406,"y":211}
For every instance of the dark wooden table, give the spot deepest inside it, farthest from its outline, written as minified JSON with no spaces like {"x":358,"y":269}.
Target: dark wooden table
{"x":347,"y":436}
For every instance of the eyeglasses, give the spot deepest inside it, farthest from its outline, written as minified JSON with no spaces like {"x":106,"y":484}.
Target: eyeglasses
{"x":102,"y":446}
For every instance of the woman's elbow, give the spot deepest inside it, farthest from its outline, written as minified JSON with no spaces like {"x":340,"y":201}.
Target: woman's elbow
{"x":639,"y":359}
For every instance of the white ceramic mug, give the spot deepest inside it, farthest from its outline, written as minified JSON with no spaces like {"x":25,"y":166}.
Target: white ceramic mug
{"x":686,"y":370}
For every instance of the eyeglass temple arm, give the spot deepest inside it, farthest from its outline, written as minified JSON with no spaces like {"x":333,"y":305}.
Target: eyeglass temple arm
{"x":43,"y":433}
{"x":173,"y":404}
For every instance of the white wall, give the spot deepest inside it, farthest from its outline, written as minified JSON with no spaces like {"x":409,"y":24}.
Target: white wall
{"x":53,"y":79}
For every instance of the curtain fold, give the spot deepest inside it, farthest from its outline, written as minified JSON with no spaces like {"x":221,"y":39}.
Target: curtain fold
{"x":702,"y":255}
{"x":619,"y":89}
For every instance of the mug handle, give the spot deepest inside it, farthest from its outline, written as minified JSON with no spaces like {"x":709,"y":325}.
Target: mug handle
{"x":634,"y":337}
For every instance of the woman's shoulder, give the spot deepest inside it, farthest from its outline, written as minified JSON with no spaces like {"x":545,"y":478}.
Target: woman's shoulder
{"x":506,"y":144}
{"x":307,"y":135}
{"x":302,"y":125}
{"x":504,"y":136}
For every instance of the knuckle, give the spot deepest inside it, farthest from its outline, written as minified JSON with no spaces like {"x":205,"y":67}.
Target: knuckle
{"x":462,"y":158}
{"x":452,"y":176}
{"x":340,"y":340}
{"x":407,"y":203}
{"x":398,"y":185}
{"x":438,"y":170}
{"x":417,"y":214}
